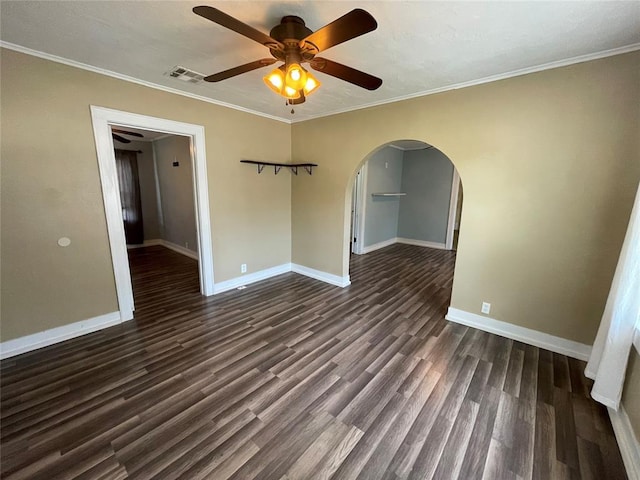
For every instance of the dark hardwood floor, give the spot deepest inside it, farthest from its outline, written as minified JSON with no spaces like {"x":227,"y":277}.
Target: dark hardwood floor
{"x":292,"y":378}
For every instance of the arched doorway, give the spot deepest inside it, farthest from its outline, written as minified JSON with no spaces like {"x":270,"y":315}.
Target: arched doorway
{"x":404,"y":192}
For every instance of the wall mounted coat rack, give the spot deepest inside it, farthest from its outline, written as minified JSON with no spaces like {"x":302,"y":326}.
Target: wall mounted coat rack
{"x":277,"y":166}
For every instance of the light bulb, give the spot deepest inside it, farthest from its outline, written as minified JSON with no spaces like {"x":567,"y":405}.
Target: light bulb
{"x":290,"y":92}
{"x":275,"y":80}
{"x":311,"y":84}
{"x":295,"y":77}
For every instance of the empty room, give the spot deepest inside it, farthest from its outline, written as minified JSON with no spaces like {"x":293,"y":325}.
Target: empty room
{"x":320,"y":240}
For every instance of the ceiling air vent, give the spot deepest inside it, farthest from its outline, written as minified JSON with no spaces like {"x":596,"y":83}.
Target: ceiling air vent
{"x":185,"y":75}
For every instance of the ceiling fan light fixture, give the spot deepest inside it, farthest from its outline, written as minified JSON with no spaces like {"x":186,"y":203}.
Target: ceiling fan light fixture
{"x":311,"y":85}
{"x":275,"y":80}
{"x":293,"y":43}
{"x":278,"y":81}
{"x":296,"y":76}
{"x":290,"y":92}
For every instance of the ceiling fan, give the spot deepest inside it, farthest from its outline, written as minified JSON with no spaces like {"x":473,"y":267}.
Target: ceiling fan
{"x":293,"y":43}
{"x":119,"y":138}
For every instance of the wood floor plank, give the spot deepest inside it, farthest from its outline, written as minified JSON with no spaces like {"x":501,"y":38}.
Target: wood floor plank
{"x":385,"y":451}
{"x":451,"y":459}
{"x":498,"y":459}
{"x":294,"y":379}
{"x":436,"y":441}
{"x":208,"y":455}
{"x":306,"y":464}
{"x":335,"y":457}
{"x":566,"y":438}
{"x":473,"y":463}
{"x":366,"y":446}
{"x":404,"y":459}
{"x":544,"y":455}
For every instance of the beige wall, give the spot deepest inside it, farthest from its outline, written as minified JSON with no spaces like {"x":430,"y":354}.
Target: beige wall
{"x":549,"y":163}
{"x":631,"y":392}
{"x":51,"y":188}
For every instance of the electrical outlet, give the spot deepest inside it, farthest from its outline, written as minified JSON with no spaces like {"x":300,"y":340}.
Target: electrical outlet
{"x":186,"y":244}
{"x":243,"y":268}
{"x":386,"y":164}
{"x":486,"y":307}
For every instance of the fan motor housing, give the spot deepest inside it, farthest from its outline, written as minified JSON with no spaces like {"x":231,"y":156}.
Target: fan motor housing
{"x":291,"y":28}
{"x":289,"y":32}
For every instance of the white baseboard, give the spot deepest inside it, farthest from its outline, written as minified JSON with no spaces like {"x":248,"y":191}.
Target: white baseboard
{"x":251,"y":278}
{"x":521,"y":334}
{"x":627,"y":441}
{"x":180,"y":249}
{"x":407,"y":241}
{"x":28,"y":343}
{"x":421,"y":243}
{"x":278,"y":270}
{"x":147,"y":243}
{"x":379,"y":245}
{"x":167,"y":244}
{"x":336,"y":280}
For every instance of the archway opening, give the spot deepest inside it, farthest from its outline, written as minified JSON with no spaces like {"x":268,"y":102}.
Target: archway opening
{"x":406,"y":204}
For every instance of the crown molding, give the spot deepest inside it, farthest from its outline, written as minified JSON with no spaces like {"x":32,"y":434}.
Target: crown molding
{"x":126,"y":78}
{"x":492,"y":78}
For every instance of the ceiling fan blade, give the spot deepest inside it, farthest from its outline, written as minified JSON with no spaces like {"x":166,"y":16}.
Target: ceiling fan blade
{"x":355,"y":23}
{"x":237,"y":26}
{"x":247,"y":67}
{"x":126,"y":132}
{"x":345,"y":73}
{"x":120,"y":139}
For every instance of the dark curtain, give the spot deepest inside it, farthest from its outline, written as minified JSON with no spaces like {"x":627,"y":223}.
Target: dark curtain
{"x":127,"y":165}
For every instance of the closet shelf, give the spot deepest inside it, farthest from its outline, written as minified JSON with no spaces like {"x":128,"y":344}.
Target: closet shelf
{"x":277,"y":166}
{"x":389,"y":194}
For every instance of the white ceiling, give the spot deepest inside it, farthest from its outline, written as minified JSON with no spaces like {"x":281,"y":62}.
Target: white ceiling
{"x":419,"y":47}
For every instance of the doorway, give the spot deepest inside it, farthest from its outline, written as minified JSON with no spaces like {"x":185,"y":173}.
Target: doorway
{"x":103,"y":120}
{"x":406,"y":191}
{"x":158,"y":210}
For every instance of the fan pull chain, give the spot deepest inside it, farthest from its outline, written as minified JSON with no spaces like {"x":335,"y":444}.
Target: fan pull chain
{"x":287,"y":103}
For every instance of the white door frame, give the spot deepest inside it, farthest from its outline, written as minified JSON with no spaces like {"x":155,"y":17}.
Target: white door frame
{"x":354,"y":216}
{"x":360,"y":209}
{"x":103,"y":119}
{"x":453,"y":209}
